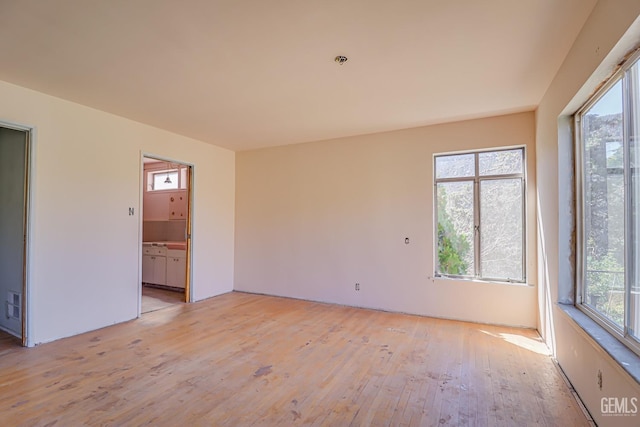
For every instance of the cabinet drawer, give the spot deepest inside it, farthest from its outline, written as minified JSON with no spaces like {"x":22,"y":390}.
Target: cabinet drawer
{"x":154,"y":250}
{"x":176,"y":253}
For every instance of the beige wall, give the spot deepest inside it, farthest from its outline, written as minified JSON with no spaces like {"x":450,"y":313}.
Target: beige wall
{"x":84,"y":247}
{"x":607,"y":35}
{"x":314,"y":219}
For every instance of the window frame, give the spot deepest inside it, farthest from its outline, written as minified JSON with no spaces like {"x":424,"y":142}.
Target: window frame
{"x":477,"y":178}
{"x":150,"y":179}
{"x":622,"y":334}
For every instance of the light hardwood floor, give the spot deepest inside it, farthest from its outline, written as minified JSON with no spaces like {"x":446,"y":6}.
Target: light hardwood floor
{"x":156,"y":299}
{"x":241,"y":359}
{"x":8,"y":342}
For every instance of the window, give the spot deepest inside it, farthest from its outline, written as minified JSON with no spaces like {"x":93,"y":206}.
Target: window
{"x":169,"y":179}
{"x":480,"y":215}
{"x":608,"y":190}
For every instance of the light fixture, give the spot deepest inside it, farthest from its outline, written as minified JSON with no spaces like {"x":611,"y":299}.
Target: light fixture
{"x":340,"y":59}
{"x":168,"y":180}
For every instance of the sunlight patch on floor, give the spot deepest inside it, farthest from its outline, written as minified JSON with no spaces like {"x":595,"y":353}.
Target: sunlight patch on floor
{"x":531,"y":344}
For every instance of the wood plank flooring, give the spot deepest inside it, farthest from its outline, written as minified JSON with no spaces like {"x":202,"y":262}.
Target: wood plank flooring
{"x":8,"y":342}
{"x":241,"y":359}
{"x":156,"y":298}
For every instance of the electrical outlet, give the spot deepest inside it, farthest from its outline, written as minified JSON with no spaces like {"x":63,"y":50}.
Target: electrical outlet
{"x":600,"y":379}
{"x":357,"y":286}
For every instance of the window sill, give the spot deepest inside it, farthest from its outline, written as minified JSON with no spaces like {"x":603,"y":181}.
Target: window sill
{"x":627,"y":359}
{"x":475,"y":280}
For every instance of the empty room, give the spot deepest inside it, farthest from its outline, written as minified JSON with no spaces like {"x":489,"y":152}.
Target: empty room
{"x":410,"y":213}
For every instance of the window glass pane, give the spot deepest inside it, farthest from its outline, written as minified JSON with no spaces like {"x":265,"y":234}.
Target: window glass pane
{"x":500,"y":162}
{"x":455,"y":166}
{"x":501,"y":229}
{"x":455,"y":228}
{"x":602,"y":136}
{"x":634,"y":157}
{"x":165,"y":180}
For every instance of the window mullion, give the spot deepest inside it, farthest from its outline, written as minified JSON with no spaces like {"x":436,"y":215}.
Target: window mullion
{"x":579,"y":188}
{"x":523,"y":190}
{"x":628,"y":217}
{"x":476,"y":217}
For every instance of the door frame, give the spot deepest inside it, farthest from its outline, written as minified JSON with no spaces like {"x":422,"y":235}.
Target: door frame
{"x":27,"y":227}
{"x":190,"y":181}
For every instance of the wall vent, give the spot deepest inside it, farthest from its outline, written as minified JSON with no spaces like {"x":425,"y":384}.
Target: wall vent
{"x":14,"y":305}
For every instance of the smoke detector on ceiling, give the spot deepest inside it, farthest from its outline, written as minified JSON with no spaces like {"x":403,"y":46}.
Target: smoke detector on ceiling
{"x":340,"y":59}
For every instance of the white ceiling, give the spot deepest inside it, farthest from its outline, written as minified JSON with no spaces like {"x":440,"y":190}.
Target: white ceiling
{"x":246,"y":74}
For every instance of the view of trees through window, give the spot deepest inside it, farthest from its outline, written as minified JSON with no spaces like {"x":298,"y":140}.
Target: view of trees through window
{"x":602,"y":134}
{"x":480,"y":215}
{"x":610,"y":258}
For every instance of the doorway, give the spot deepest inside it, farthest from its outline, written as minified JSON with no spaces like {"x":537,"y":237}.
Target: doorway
{"x":166,"y":233}
{"x":14,"y":193}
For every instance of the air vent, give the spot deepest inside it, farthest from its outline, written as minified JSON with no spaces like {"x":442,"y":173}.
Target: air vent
{"x":14,"y":305}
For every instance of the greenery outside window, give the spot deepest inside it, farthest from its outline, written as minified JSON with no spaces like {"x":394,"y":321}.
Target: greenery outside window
{"x":480,"y":215}
{"x":608,"y":205}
